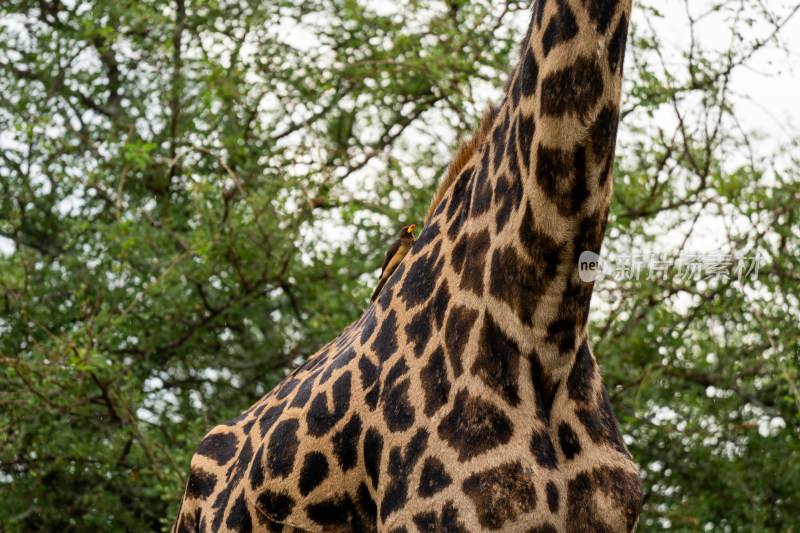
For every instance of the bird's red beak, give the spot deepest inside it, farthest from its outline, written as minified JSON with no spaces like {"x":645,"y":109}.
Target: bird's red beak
{"x":411,"y":228}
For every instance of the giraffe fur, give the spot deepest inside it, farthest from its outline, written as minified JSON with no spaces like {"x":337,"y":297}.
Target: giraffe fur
{"x":467,"y":396}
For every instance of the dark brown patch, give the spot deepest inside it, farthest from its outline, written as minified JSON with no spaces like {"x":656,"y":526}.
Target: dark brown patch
{"x":387,"y":293}
{"x":552,"y":497}
{"x":530,"y":74}
{"x":457,"y":221}
{"x":514,"y":280}
{"x":512,"y":154}
{"x":368,"y":327}
{"x":336,"y":511}
{"x":482,"y":193}
{"x":544,"y":387}
{"x":573,"y":311}
{"x":459,"y":254}
{"x":345,"y":443}
{"x":339,"y":360}
{"x":499,"y":141}
{"x":580,"y":509}
{"x":367,"y":505}
{"x":286,"y":388}
{"x":538,"y":13}
{"x":474,"y":426}
{"x":369,"y":372}
{"x":543,"y":450}
{"x":397,"y":371}
{"x":562,"y":332}
{"x":526,"y":129}
{"x":562,"y":28}
{"x":569,"y":441}
{"x":303,"y":394}
{"x":372,"y":396}
{"x":581,"y":376}
{"x":574,"y":89}
{"x":438,"y":305}
{"x":472,"y":278}
{"x":457,"y":196}
{"x":600,"y":424}
{"x":319,"y":419}
{"x":373,"y":448}
{"x":446,"y":522}
{"x":434,"y":478}
{"x":590,"y":236}
{"x":508,"y":196}
{"x":398,"y":412}
{"x":501,"y":494}
{"x":604,"y":132}
{"x":220,"y":505}
{"x":282,"y":448}
{"x":428,"y":235}
{"x":257,"y":470}
{"x":516,"y":89}
{"x":601,"y":12}
{"x":459,"y":325}
{"x":435,"y":383}
{"x":420,"y":282}
{"x":562,"y":177}
{"x":201,"y":484}
{"x":544,"y":251}
{"x":400,"y":468}
{"x":313,"y":473}
{"x":221,"y":447}
{"x":275,"y":505}
{"x":616,"y":46}
{"x":418,"y":330}
{"x":622,"y":487}
{"x":385,"y":343}
{"x":497,"y":363}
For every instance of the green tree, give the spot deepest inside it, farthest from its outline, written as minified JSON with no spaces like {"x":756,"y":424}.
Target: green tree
{"x":703,"y":370}
{"x":196,"y":196}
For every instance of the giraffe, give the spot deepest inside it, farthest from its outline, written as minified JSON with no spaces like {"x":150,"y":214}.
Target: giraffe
{"x":466,"y":397}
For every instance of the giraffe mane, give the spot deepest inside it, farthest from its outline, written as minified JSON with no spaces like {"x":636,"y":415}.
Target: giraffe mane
{"x":466,"y":149}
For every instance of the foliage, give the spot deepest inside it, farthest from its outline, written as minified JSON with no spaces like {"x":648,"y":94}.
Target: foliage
{"x":703,"y":370}
{"x":193,"y":198}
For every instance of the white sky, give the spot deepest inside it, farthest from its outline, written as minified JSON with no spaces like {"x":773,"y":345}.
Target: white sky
{"x":769,"y":90}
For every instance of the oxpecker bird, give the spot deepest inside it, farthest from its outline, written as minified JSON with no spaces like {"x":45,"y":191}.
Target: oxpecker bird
{"x":397,"y":251}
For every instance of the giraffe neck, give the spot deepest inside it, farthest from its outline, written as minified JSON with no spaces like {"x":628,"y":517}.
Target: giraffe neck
{"x":536,"y":194}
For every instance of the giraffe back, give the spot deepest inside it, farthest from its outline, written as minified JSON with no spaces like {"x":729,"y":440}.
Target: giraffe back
{"x":423,"y":414}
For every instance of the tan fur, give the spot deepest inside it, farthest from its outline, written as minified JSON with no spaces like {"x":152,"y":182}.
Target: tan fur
{"x":467,"y":397}
{"x":465,"y":151}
